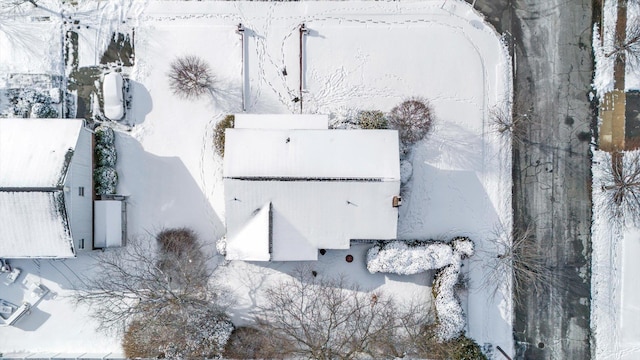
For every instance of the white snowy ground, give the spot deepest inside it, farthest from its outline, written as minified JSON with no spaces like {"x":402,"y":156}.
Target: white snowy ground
{"x":366,"y":55}
{"x":615,"y":311}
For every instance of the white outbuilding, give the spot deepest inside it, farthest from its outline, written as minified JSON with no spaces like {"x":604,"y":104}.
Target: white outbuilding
{"x":46,"y":188}
{"x":293,"y":186}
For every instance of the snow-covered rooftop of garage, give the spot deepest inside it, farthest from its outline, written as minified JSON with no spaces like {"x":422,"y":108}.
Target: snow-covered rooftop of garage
{"x":324,"y":188}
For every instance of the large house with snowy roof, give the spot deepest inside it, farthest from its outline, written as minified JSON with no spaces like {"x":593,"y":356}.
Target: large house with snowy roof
{"x":293,"y":186}
{"x":46,"y":187}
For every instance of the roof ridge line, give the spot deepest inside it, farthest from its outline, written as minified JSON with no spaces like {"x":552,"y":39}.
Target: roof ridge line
{"x":32,"y":189}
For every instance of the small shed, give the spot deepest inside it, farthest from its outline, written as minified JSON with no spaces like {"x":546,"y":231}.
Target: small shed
{"x":109,"y":223}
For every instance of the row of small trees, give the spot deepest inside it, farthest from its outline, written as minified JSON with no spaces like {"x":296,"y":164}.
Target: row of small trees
{"x":105,"y":175}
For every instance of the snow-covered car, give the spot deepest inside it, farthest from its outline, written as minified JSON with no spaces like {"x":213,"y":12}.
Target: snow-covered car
{"x":113,"y":96}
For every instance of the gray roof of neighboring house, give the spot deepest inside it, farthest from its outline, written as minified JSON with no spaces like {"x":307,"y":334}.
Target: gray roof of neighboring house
{"x":35,"y":155}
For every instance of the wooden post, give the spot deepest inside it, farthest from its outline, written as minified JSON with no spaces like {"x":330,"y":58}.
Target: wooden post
{"x":303,"y":32}
{"x":240,"y":31}
{"x":503,"y":353}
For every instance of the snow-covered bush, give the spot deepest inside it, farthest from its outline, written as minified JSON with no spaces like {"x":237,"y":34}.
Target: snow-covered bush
{"x":406,"y":171}
{"x":23,"y":100}
{"x":413,"y":119}
{"x":199,"y":333}
{"x":398,"y":257}
{"x":105,"y":179}
{"x":55,"y":94}
{"x":255,"y":343}
{"x":201,"y":337}
{"x":372,"y":119}
{"x":43,"y":110}
{"x":406,"y":258}
{"x":348,"y":118}
{"x":450,"y":319}
{"x":463,"y":246}
{"x":464,"y":348}
{"x":106,"y":155}
{"x":219,"y":133}
{"x":344,"y":118}
{"x":104,"y":135}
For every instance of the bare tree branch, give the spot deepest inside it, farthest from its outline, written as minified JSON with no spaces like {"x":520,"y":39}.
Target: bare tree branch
{"x":521,"y":256}
{"x":138,"y":279}
{"x":190,"y":77}
{"x":620,"y":185}
{"x":328,"y":319}
{"x":627,"y":47}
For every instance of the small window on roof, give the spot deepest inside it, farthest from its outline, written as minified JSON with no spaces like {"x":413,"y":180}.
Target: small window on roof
{"x":81,"y":191}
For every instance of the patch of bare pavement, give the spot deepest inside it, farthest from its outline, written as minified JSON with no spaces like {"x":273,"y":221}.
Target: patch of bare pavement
{"x":552,"y":166}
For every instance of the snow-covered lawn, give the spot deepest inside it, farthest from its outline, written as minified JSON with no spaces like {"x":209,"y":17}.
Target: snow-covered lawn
{"x":364,"y":55}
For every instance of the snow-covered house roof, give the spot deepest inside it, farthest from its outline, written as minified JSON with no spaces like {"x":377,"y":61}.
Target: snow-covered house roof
{"x":322,"y":188}
{"x":35,"y":160}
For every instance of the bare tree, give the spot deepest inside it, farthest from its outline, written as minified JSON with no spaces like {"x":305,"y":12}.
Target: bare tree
{"x":509,"y":124}
{"x":328,"y":319}
{"x":620,"y":184}
{"x":627,"y":46}
{"x":413,"y":119}
{"x":190,"y":77}
{"x":145,"y":279}
{"x":520,"y":255}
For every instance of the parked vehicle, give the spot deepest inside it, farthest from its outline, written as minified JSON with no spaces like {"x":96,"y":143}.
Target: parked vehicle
{"x":113,"y":96}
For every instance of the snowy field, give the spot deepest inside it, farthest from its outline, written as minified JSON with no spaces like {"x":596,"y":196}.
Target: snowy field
{"x":615,"y":295}
{"x":358,"y":55}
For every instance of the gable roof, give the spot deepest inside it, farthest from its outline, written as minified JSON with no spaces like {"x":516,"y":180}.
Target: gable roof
{"x":325,"y":188}
{"x":35,"y":156}
{"x":309,"y":215}
{"x":34,"y":224}
{"x":34,"y":153}
{"x":251,"y":240}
